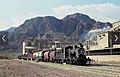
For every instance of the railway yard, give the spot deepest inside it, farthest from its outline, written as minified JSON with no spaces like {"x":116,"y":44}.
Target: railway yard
{"x":104,"y":52}
{"x":20,"y":68}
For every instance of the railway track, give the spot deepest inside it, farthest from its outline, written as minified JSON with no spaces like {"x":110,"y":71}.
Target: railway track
{"x":21,"y":68}
{"x":101,"y":70}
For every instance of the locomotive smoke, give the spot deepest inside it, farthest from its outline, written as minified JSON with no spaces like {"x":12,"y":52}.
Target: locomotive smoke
{"x":92,"y":33}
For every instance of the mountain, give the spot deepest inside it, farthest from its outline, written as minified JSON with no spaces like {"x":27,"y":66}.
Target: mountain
{"x":11,"y":29}
{"x":72,"y":28}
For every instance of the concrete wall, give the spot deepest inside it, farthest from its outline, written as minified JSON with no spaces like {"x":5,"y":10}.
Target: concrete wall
{"x":105,"y":58}
{"x":102,"y":42}
{"x":116,"y":24}
{"x":116,"y":46}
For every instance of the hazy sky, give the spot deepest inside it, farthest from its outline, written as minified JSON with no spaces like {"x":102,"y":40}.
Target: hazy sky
{"x":15,"y":12}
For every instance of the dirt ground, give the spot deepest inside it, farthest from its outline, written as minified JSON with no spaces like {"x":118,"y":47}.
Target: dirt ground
{"x":16,"y":68}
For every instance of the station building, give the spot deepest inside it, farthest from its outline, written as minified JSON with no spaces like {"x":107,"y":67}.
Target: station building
{"x":106,"y":47}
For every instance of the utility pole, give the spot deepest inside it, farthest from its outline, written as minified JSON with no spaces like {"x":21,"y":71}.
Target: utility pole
{"x":111,"y":46}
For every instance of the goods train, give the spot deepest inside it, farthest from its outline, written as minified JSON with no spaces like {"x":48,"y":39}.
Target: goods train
{"x":69,"y":55}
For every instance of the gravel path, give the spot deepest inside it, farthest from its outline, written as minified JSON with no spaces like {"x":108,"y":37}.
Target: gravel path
{"x":16,"y":68}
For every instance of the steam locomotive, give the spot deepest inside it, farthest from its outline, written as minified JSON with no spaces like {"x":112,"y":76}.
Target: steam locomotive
{"x":70,"y":55}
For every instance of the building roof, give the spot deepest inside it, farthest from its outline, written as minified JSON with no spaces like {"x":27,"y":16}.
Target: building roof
{"x":116,"y":26}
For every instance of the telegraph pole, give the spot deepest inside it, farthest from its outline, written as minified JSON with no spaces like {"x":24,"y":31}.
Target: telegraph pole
{"x":111,"y":46}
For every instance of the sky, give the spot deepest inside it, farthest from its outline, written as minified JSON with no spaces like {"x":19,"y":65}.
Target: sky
{"x":15,"y":12}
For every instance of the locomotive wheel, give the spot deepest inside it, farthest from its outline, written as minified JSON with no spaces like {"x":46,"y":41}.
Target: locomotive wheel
{"x":81,"y":61}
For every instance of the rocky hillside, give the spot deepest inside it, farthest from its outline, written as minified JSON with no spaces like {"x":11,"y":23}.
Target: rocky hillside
{"x":71,"y":28}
